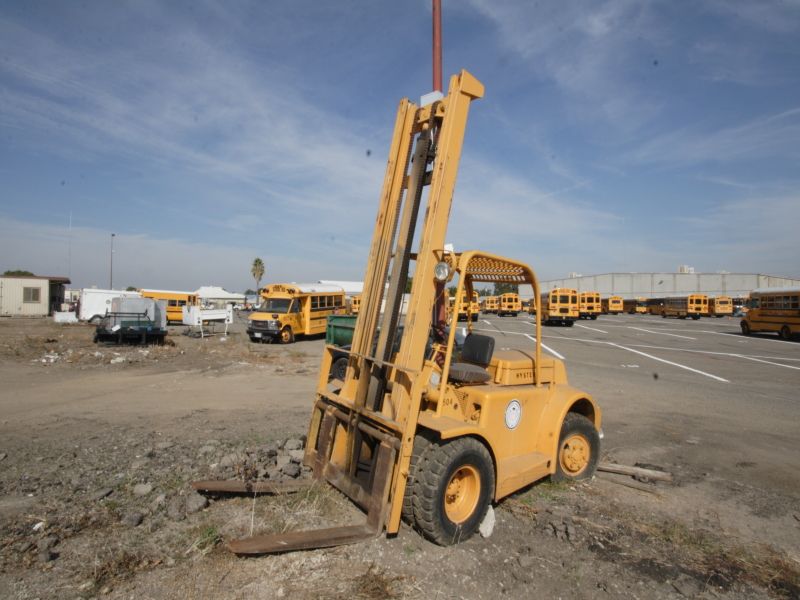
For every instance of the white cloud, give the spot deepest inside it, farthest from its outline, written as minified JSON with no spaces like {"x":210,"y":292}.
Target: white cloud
{"x":145,"y":261}
{"x":774,"y":135}
{"x":593,"y":51}
{"x":218,"y":116}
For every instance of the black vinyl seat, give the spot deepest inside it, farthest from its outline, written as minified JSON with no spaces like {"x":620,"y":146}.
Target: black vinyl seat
{"x":476,"y":355}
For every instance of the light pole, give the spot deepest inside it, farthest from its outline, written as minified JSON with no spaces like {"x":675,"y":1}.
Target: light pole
{"x":111,"y":274}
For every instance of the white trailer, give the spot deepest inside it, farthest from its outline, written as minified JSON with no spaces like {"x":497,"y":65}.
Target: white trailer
{"x":94,"y":303}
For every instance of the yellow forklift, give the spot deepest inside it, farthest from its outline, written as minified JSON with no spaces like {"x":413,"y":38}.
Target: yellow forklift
{"x":420,"y":429}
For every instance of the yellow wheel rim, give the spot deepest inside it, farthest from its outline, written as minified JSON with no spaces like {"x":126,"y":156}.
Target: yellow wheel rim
{"x":285,"y":336}
{"x":575,"y":454}
{"x":462,"y":494}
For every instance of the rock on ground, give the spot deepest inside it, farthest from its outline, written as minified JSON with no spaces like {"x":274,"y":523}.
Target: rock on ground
{"x":195,"y":502}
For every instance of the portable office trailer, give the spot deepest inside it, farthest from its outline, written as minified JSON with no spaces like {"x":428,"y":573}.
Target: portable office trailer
{"x":31,"y":295}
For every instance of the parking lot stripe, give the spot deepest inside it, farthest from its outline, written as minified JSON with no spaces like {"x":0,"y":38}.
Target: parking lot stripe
{"x":766,"y":361}
{"x":660,"y":333}
{"x":712,"y":352}
{"x":669,"y":362}
{"x":548,"y":348}
{"x":592,"y":328}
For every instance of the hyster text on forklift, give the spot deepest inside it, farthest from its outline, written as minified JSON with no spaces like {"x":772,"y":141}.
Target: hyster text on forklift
{"x":420,"y":430}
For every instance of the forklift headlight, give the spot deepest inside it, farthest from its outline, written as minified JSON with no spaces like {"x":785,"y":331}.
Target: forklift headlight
{"x":441,"y":271}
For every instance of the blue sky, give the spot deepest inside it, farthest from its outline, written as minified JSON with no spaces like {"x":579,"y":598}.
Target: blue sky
{"x":614,"y":135}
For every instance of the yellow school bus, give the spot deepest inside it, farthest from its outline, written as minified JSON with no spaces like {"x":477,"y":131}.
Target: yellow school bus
{"x":475,"y":306}
{"x":720,"y":306}
{"x":693,"y":305}
{"x":612,"y":305}
{"x":175,"y":302}
{"x":635,"y":306}
{"x":291,"y":309}
{"x":655,"y":306}
{"x":468,"y":310}
{"x":490,"y":304}
{"x":509,"y":305}
{"x":773,"y":309}
{"x":589,"y":305}
{"x":355,"y":304}
{"x":560,"y":306}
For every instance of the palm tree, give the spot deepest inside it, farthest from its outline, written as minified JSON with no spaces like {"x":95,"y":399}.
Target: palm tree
{"x":257,"y":271}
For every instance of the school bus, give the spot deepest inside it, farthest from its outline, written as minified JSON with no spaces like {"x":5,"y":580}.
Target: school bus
{"x":355,"y":304}
{"x":693,"y":305}
{"x":720,"y":306}
{"x":773,"y":309}
{"x":655,"y":306}
{"x":490,"y":304}
{"x":291,"y":309}
{"x":634,"y":306}
{"x":175,"y":302}
{"x":589,"y":305}
{"x":509,"y":305}
{"x":475,"y":306}
{"x":612,"y":305}
{"x":468,"y":310}
{"x":560,"y":305}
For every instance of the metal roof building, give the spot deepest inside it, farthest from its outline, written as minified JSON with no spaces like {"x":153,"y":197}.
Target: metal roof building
{"x":660,"y":285}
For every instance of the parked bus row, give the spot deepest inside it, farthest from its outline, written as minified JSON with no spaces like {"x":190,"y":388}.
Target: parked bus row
{"x":289,"y":310}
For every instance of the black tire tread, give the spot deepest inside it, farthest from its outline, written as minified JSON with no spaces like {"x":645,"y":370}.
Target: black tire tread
{"x":424,"y":497}
{"x":422,"y":445}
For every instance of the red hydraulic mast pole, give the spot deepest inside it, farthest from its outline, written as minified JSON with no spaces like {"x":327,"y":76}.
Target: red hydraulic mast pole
{"x":437,"y":45}
{"x":439,"y":307}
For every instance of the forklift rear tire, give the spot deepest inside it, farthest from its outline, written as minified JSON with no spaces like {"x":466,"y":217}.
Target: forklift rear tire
{"x":578,"y":449}
{"x":452,"y":490}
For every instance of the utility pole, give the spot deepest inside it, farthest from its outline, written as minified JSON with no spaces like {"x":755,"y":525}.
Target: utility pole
{"x":111,"y":274}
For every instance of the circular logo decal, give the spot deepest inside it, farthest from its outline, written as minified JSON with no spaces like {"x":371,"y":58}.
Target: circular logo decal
{"x":513,"y":414}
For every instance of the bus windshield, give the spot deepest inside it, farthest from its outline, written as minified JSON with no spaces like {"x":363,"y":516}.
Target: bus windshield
{"x":276,"y":305}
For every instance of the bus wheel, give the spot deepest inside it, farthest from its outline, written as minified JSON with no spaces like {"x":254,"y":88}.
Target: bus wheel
{"x":594,"y":317}
{"x":452,"y":490}
{"x":287,"y":337}
{"x":578,"y":449}
{"x":786,"y":333}
{"x":569,"y":323}
{"x":745,"y":327}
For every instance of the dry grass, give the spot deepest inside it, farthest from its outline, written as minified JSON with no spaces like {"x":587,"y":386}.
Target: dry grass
{"x":722,"y":563}
{"x":375,"y":583}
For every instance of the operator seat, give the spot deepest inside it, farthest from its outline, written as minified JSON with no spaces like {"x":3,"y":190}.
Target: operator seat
{"x":476,"y":354}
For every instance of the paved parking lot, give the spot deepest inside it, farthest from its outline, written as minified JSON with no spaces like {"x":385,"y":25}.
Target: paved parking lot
{"x":710,"y":349}
{"x":697,"y":397}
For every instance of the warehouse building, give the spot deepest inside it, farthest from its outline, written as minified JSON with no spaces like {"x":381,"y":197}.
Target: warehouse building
{"x":662,"y":285}
{"x":31,"y":295}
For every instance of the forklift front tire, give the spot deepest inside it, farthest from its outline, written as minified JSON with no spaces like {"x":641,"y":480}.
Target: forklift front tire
{"x":452,"y":490}
{"x":418,"y":457}
{"x":578,"y":449}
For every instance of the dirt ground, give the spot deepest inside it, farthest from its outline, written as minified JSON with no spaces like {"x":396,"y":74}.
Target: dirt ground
{"x":98,"y":445}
